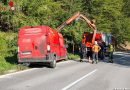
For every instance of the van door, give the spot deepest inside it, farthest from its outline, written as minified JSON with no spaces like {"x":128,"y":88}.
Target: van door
{"x":40,"y":46}
{"x":54,"y":43}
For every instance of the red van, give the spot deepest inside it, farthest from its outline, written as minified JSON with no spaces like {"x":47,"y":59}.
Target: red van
{"x":40,"y":44}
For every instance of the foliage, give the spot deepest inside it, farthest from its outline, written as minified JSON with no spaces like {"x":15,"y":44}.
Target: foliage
{"x":8,"y":52}
{"x":73,"y":56}
{"x":108,"y":14}
{"x":126,"y":7}
{"x":111,"y":16}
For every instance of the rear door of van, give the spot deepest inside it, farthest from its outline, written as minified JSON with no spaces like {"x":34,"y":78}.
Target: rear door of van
{"x":32,"y":43}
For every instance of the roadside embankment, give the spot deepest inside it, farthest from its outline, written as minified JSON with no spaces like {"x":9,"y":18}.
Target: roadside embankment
{"x":8,"y":53}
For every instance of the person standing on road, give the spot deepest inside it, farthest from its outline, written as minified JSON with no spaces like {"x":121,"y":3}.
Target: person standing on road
{"x":83,"y":51}
{"x":110,"y":51}
{"x":101,"y":52}
{"x":96,"y":48}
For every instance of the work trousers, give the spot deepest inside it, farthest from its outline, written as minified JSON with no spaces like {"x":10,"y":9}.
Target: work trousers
{"x":101,"y":55}
{"x":111,"y":55}
{"x":95,"y":56}
{"x":83,"y":55}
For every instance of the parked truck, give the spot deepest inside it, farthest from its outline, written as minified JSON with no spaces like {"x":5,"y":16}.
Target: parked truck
{"x":39,"y":44}
{"x":103,"y":40}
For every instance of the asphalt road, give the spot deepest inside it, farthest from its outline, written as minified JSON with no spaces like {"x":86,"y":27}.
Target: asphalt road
{"x":73,"y":75}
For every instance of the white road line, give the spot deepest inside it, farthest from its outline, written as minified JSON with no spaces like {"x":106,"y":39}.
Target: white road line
{"x":75,"y":82}
{"x":19,"y":72}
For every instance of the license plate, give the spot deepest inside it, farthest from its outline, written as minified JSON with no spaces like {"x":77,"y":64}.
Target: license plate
{"x":26,"y":52}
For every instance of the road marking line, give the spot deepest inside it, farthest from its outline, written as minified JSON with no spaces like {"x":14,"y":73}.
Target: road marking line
{"x":75,"y":82}
{"x":19,"y":72}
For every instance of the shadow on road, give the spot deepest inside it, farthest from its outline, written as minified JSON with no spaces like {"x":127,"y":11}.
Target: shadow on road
{"x":39,"y":65}
{"x":122,"y":59}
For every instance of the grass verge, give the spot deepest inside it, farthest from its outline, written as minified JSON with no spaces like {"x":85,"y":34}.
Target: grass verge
{"x":73,"y":56}
{"x":8,"y":53}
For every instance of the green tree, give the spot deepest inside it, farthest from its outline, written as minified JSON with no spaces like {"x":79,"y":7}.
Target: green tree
{"x":109,"y":17}
{"x":126,"y":7}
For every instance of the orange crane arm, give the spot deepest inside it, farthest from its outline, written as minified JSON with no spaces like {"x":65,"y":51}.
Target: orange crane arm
{"x":76,"y":16}
{"x":92,"y":25}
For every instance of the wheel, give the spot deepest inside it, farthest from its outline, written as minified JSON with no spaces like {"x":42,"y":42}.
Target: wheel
{"x":66,"y":57}
{"x":81,"y":60}
{"x":53,"y":64}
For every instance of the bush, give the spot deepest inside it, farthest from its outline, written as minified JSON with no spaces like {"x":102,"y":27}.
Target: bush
{"x":73,"y":56}
{"x":8,"y":52}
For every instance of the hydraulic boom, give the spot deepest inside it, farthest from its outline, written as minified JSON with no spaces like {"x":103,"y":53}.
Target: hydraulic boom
{"x":77,"y":16}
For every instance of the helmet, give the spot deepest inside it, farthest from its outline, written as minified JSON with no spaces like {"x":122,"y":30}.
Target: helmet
{"x":95,"y":42}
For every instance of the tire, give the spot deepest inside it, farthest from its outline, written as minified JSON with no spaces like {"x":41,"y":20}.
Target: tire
{"x":66,"y":57}
{"x":53,"y":62}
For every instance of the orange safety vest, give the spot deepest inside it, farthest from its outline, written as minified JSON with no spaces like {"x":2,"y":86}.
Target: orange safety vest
{"x":96,"y":48}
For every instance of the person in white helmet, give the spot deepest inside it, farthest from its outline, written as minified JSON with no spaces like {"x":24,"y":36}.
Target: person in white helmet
{"x":96,"y":48}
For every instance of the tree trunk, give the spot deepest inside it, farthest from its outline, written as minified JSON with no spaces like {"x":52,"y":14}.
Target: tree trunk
{"x":73,"y":48}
